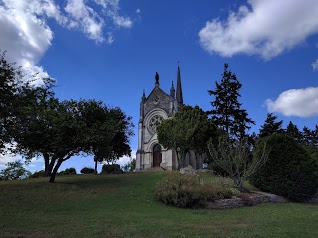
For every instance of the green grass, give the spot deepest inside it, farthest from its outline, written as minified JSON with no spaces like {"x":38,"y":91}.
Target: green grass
{"x":124,"y":206}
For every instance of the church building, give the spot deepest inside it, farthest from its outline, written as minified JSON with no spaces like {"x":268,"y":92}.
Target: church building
{"x":156,"y":107}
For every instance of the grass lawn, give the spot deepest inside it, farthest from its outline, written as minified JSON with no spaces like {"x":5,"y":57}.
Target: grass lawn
{"x":124,"y":206}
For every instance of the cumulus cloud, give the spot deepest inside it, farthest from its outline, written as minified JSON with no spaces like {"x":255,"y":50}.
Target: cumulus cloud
{"x":266,"y":28}
{"x":295,"y":102}
{"x":26,"y":34}
{"x":125,"y":159}
{"x":4,"y":159}
{"x":314,"y":65}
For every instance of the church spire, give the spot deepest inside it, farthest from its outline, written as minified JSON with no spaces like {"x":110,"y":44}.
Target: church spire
{"x":179,"y":88}
{"x":172,"y":91}
{"x":157,"y":79}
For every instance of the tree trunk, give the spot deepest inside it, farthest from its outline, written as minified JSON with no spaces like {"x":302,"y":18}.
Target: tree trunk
{"x":46,"y":163}
{"x":57,"y":166}
{"x":51,"y":165}
{"x":95,"y":172}
{"x":239,"y":185}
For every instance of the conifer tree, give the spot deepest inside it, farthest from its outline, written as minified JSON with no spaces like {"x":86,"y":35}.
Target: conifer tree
{"x":293,"y":131}
{"x":227,"y":112}
{"x":271,"y":126}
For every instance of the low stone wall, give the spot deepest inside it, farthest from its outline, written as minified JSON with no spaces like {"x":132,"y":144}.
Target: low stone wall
{"x":246,"y":200}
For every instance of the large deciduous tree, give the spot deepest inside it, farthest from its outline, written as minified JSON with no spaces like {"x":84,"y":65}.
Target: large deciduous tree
{"x":36,"y":123}
{"x":227,"y":112}
{"x":10,"y":86}
{"x":73,"y":128}
{"x":190,"y":129}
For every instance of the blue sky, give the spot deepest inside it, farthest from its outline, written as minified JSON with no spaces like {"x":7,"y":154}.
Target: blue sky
{"x":109,"y":50}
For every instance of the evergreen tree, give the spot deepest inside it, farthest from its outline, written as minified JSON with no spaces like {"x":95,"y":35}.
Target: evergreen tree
{"x":227,"y":112}
{"x":307,"y":136}
{"x":271,"y":126}
{"x":293,"y":131}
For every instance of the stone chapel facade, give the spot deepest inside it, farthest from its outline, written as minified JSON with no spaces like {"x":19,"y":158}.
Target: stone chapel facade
{"x":156,"y":107}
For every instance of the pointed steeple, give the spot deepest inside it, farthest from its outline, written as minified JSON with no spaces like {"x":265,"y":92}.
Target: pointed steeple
{"x":172,"y":91}
{"x":179,"y":88}
{"x":143,"y":98}
{"x":157,"y":79}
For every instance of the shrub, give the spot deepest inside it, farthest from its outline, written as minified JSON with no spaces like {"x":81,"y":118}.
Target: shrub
{"x":69,"y":171}
{"x":38,"y":174}
{"x":87,"y":170}
{"x":186,"y":191}
{"x":289,"y":171}
{"x":111,"y":169}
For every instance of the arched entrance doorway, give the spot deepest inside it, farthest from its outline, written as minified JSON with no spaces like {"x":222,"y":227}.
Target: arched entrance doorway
{"x":157,"y":156}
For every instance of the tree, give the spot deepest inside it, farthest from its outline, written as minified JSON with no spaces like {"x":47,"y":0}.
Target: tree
{"x":130,"y":166}
{"x":68,"y":128}
{"x":14,"y":171}
{"x":10,"y":86}
{"x":190,"y":129}
{"x":227,"y":112}
{"x":292,"y":130}
{"x":271,"y":126}
{"x":289,"y":171}
{"x":38,"y":124}
{"x":116,"y":144}
{"x":234,"y":158}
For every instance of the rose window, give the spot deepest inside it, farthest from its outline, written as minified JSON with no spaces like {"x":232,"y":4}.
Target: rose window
{"x":154,"y":122}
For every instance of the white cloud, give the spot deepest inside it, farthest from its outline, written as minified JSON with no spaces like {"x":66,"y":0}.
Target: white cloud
{"x":125,"y":159}
{"x":89,"y":20}
{"x":295,"y":102}
{"x":315,"y":65}
{"x":4,"y":159}
{"x":26,"y":34}
{"x":265,"y":28}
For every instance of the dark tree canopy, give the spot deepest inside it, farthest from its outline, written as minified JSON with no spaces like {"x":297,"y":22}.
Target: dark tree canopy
{"x":293,"y":131}
{"x":271,"y":126}
{"x":227,"y":112}
{"x":39,"y":124}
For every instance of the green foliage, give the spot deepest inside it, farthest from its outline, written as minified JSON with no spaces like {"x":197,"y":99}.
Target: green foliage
{"x":111,"y":169}
{"x":87,"y":170}
{"x":187,"y":191}
{"x":227,"y":112}
{"x":289,"y":170}
{"x":190,"y":129}
{"x":38,"y":174}
{"x":130,"y":166}
{"x":235,"y":158}
{"x":68,"y":171}
{"x":14,"y":171}
{"x":271,"y":126}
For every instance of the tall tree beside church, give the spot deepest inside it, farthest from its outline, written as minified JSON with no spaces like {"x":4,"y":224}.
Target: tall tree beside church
{"x":227,"y":112}
{"x":271,"y":126}
{"x":190,"y":129}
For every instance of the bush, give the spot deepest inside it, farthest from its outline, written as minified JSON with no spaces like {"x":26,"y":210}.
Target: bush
{"x":289,"y":171}
{"x":69,"y":171}
{"x":38,"y":174}
{"x":87,"y":170}
{"x":186,"y":191}
{"x":111,"y":169}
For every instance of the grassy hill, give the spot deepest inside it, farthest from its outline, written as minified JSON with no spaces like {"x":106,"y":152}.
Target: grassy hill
{"x":124,"y":206}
